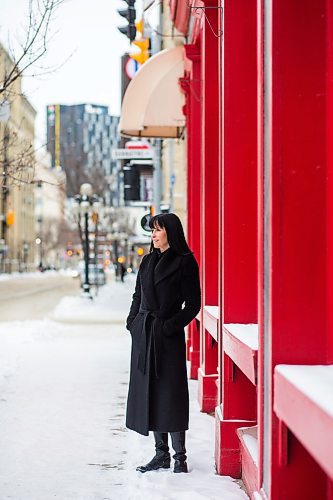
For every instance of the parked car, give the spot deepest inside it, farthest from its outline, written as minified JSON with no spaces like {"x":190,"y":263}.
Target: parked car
{"x":97,"y":274}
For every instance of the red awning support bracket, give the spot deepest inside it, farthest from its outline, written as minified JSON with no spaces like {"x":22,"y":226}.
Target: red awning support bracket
{"x":197,"y":13}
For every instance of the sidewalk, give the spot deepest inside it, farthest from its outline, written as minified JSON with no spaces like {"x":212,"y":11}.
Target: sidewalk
{"x":63,"y":389}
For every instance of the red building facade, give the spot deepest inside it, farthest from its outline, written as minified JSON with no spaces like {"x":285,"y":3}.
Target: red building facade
{"x":258,"y":82}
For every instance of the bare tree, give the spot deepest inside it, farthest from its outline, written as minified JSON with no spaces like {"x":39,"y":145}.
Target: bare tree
{"x":18,"y":162}
{"x":17,"y":154}
{"x":34,"y":44}
{"x":77,"y":173}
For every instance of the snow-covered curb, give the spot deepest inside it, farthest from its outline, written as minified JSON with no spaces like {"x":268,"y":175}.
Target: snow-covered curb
{"x":35,"y":275}
{"x":111,"y":305}
{"x":83,"y":310}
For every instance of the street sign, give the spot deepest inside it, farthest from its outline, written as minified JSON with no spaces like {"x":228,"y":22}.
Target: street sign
{"x":131,"y":154}
{"x":137,"y":145}
{"x":131,"y":67}
{"x":145,"y":222}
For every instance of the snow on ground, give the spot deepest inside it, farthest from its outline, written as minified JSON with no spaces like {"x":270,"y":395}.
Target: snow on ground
{"x":35,"y":274}
{"x":110,"y":305}
{"x":63,"y":389}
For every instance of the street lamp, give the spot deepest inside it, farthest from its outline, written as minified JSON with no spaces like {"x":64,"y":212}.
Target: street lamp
{"x":85,"y":203}
{"x":39,"y":243}
{"x":3,"y":249}
{"x":25,"y":255}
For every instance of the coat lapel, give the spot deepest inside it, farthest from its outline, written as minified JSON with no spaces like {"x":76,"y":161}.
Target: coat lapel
{"x":147,"y":280}
{"x":169,"y":264}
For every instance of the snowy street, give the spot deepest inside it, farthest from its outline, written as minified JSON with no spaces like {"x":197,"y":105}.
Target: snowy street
{"x":33,"y":295}
{"x":63,"y":389}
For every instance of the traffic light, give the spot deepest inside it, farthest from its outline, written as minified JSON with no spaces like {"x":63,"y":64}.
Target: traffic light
{"x":131,"y":183}
{"x":69,"y":249}
{"x":129,"y":14}
{"x":142,"y":56}
{"x":142,"y":43}
{"x":10,"y":217}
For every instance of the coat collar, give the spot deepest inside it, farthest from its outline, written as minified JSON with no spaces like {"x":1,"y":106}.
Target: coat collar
{"x":168,"y":264}
{"x":149,"y":278}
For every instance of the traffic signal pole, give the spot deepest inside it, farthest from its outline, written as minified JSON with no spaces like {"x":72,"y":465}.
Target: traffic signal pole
{"x":157,"y":177}
{"x":129,"y":14}
{"x":142,"y":42}
{"x":156,"y":46}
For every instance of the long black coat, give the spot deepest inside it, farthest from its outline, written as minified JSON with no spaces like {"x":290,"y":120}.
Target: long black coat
{"x":158,"y":391}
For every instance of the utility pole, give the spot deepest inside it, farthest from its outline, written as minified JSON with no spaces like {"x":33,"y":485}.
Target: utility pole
{"x":156,"y":46}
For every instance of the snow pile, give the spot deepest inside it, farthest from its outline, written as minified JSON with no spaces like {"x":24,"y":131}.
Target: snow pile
{"x":111,"y":305}
{"x":36,"y":275}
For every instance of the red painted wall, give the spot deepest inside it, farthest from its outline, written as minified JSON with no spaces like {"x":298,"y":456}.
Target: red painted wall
{"x":297,"y":330}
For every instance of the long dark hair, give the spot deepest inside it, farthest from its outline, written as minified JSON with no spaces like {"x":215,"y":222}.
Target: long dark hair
{"x":174,"y":230}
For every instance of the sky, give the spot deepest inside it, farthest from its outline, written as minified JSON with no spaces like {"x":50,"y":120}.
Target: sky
{"x":85,"y":51}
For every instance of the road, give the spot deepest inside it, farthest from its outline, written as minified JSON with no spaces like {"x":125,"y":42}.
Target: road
{"x":30,"y":298}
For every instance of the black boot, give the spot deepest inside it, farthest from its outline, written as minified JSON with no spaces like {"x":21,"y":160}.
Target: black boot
{"x":178,"y":444}
{"x":162,"y":458}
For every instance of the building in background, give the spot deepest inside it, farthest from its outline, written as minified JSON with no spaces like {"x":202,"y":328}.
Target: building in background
{"x":80,"y":139}
{"x":17,"y":163}
{"x":50,"y":194}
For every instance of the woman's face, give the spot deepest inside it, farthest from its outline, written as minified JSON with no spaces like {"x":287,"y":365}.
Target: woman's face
{"x":159,"y":237}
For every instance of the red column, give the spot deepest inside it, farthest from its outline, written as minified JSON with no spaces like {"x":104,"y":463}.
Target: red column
{"x":296,"y":228}
{"x":207,"y":373}
{"x":329,"y":38}
{"x":239,"y":219}
{"x":192,"y":85}
{"x":262,"y":306}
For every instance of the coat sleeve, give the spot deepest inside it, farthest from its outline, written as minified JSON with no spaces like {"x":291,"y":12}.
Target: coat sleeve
{"x":191,"y":295}
{"x":136,"y":300}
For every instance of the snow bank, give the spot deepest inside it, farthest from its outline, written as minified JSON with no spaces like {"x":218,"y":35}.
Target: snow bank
{"x":35,"y":275}
{"x":111,"y":305}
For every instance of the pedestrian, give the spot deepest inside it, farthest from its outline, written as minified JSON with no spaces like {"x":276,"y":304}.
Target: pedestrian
{"x":123,"y":272}
{"x":158,"y":397}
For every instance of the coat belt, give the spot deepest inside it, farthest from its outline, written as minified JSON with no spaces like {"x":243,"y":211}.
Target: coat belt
{"x":156,"y":341}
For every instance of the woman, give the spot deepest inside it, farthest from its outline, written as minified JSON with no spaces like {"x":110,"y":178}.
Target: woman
{"x":158,"y":392}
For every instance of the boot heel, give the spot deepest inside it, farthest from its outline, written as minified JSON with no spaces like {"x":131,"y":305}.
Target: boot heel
{"x":166,"y":464}
{"x":180,"y":466}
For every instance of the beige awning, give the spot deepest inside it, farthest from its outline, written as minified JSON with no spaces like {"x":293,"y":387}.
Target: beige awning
{"x":153,"y":101}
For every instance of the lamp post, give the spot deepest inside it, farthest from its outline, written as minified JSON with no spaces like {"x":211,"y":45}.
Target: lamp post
{"x":25,"y":255}
{"x":39,"y":243}
{"x":86,"y":203}
{"x":3,"y":248}
{"x":115,"y":237}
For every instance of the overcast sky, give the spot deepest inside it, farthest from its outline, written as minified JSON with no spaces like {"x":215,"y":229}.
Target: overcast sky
{"x":85,"y":31}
